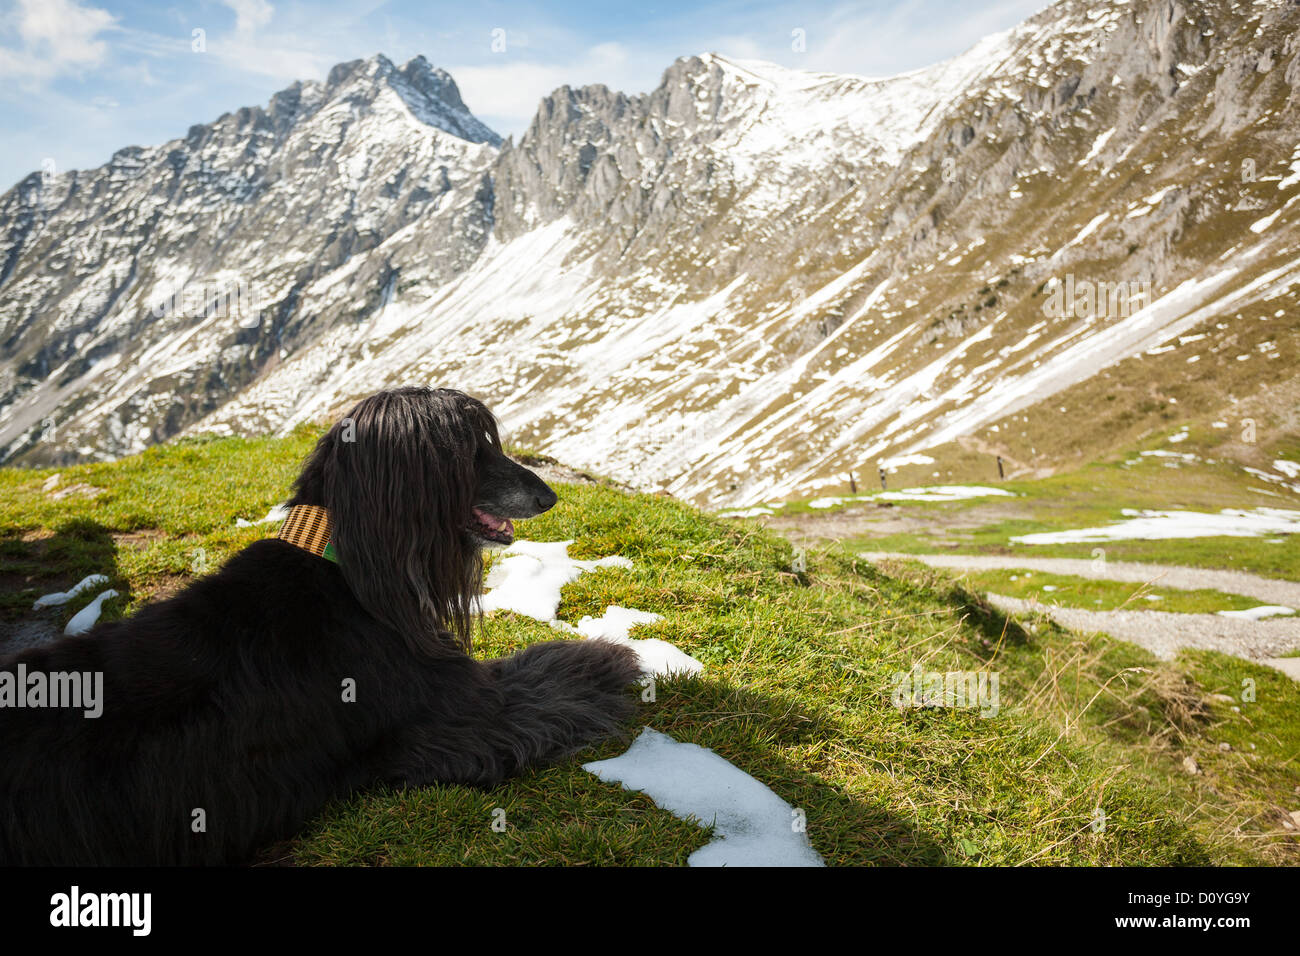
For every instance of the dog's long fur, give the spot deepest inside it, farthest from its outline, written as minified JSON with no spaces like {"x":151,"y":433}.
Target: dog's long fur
{"x":229,"y":697}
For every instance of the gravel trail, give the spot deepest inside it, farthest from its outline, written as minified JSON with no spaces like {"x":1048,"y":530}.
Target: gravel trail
{"x":1267,"y":590}
{"x":1161,"y":632}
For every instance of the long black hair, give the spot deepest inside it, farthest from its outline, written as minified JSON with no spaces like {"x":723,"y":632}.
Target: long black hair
{"x":398,"y":475}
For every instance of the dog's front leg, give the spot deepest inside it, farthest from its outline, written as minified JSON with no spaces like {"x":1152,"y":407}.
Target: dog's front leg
{"x":562,"y":696}
{"x":538,"y":706}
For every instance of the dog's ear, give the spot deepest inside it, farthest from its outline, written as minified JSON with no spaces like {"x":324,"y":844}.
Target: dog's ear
{"x":398,"y":477}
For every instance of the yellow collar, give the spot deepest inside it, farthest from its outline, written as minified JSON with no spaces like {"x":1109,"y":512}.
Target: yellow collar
{"x":309,"y":527}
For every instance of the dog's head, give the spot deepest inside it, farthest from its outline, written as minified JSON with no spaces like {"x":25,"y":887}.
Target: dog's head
{"x":505,"y":490}
{"x":416,"y":484}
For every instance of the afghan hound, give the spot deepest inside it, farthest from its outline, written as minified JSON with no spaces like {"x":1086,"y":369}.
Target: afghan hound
{"x":331,"y":657}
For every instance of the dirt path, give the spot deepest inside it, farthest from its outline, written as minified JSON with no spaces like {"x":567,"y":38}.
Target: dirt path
{"x":1266,"y":590}
{"x":1163,"y":633}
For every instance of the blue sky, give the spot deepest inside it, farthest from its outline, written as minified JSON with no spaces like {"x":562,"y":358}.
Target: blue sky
{"x":79,"y":79}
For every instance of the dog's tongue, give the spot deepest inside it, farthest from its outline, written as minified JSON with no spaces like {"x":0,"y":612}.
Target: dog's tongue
{"x":492,"y":521}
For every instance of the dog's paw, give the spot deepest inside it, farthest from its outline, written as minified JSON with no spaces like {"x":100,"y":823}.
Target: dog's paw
{"x":614,"y":665}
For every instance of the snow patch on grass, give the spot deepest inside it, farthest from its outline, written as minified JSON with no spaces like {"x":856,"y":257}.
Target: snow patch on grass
{"x":752,"y":826}
{"x":926,"y":493}
{"x":528,"y":577}
{"x":59,"y":598}
{"x":755,"y":512}
{"x":85,"y":619}
{"x":945,"y":493}
{"x":527,"y":580}
{"x":277,"y":513}
{"x":1155,"y":525}
{"x":659,"y":658}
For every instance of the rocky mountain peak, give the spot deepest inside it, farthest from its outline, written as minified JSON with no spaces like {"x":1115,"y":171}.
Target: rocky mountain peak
{"x":429,"y":93}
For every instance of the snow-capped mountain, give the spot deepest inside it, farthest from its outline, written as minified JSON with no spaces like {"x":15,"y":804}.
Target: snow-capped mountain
{"x":737,"y":287}
{"x":142,"y":295}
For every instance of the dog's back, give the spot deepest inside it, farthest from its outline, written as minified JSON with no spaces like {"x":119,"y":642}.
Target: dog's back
{"x":227,"y":720}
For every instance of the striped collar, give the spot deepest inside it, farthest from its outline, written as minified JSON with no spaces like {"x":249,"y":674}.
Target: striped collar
{"x":309,"y":527}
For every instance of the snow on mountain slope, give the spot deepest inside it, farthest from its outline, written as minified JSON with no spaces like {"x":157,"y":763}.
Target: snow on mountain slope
{"x":140,"y":295}
{"x":797,"y":114}
{"x":749,"y":281}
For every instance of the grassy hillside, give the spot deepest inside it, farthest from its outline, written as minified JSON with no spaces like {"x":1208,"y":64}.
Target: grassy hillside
{"x":799,"y":668}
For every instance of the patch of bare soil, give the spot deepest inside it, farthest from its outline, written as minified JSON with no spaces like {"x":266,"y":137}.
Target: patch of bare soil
{"x":40,"y":628}
{"x":166,"y":586}
{"x":139,"y":539}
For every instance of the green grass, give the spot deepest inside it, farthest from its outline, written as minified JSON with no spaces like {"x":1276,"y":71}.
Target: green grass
{"x":1072,"y":591}
{"x":799,"y":669}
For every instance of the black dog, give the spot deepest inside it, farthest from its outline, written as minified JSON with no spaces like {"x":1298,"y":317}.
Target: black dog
{"x":235,"y":710}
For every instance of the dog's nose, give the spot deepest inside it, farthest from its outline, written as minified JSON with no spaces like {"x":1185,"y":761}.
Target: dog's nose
{"x":546,"y":500}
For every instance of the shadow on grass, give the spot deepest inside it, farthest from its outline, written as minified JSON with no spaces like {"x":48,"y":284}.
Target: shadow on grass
{"x":569,"y":816}
{"x":995,"y":625}
{"x":756,"y":730}
{"x":32,"y":565}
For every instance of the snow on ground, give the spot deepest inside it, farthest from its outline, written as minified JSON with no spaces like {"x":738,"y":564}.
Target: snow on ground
{"x":752,"y":826}
{"x":1259,"y":613}
{"x":276,"y":514}
{"x":85,"y":619}
{"x":1172,"y":314}
{"x":1270,"y":477}
{"x":832,"y":502}
{"x":63,"y":597}
{"x":658,"y":657}
{"x":898,"y":461}
{"x":943,"y":493}
{"x":1181,"y":456}
{"x":528,"y":576}
{"x":928,"y":493}
{"x":1151,"y":525}
{"x":527,"y":580}
{"x":754,"y":512}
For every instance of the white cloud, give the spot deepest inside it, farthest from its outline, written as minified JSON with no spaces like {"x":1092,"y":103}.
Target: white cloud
{"x":283,"y":64}
{"x":250,"y":15}
{"x":507,"y":92}
{"x":58,"y":36}
{"x":735,"y":46}
{"x":902,"y":37}
{"x":304,"y":44}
